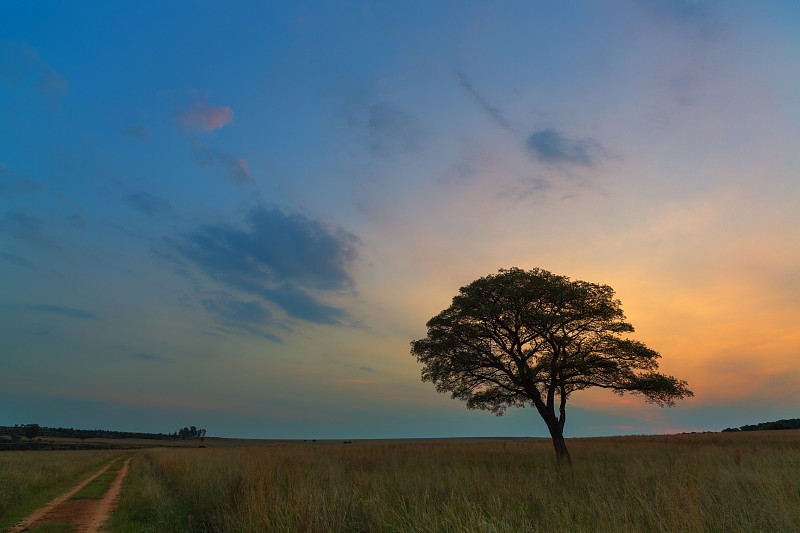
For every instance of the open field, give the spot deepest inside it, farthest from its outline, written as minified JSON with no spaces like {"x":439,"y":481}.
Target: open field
{"x":29,"y":479}
{"x":703,"y":482}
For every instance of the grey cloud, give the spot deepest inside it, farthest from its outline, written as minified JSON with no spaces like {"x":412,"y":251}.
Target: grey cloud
{"x":492,"y":111}
{"x":392,"y":131}
{"x":276,"y":246}
{"x":300,"y":304}
{"x":148,"y":204}
{"x":63,"y":311}
{"x":278,"y":257}
{"x":547,"y":145}
{"x":551,"y":147}
{"x":250,"y":316}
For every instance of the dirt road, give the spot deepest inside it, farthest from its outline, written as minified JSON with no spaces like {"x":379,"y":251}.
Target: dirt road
{"x":86,"y":515}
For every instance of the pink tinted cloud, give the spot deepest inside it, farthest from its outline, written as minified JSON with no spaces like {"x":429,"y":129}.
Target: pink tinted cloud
{"x":205,"y":117}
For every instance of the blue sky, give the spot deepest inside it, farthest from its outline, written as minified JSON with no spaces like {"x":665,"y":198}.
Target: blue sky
{"x":237,"y":215}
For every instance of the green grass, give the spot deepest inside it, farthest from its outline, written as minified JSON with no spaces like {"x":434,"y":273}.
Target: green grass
{"x":96,"y":488}
{"x":30,"y":479}
{"x":709,"y":482}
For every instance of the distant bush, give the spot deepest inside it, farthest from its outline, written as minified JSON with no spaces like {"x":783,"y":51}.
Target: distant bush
{"x":34,"y":430}
{"x":792,"y":423}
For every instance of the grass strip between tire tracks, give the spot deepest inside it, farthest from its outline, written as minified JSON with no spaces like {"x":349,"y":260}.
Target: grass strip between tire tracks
{"x":100,"y":485}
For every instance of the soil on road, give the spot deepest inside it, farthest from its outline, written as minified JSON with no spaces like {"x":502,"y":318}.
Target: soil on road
{"x":86,"y":515}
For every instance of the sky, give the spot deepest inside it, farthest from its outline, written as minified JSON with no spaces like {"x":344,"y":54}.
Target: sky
{"x":237,"y":215}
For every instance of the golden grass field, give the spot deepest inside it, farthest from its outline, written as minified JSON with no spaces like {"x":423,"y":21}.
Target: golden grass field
{"x":701,"y":482}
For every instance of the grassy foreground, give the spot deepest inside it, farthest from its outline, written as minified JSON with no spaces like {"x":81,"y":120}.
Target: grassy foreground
{"x":704,"y":482}
{"x":30,"y":479}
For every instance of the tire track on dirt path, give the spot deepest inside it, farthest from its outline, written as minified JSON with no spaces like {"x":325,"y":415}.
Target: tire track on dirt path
{"x":86,"y":515}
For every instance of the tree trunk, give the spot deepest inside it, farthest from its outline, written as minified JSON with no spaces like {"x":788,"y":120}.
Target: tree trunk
{"x":562,"y":454}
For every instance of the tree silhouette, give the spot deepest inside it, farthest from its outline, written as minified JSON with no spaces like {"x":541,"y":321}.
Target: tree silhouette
{"x":191,"y":433}
{"x":32,"y":431}
{"x":520,"y":338}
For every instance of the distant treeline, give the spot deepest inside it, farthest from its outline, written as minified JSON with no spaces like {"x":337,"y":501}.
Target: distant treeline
{"x":35,"y":430}
{"x":792,"y":423}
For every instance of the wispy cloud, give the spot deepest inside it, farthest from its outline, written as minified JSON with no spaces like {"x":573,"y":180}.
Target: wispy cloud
{"x":25,"y":227}
{"x":496,"y":115}
{"x":140,"y":132}
{"x":204,"y":117}
{"x":20,"y":62}
{"x":22,"y":186}
{"x":71,"y":312}
{"x":283,"y":259}
{"x":148,"y":204}
{"x":244,"y":315}
{"x":238,"y":169}
{"x":552,"y":147}
{"x":547,"y":145}
{"x":201,"y":117}
{"x":13,"y":185}
{"x":393,"y":131}
{"x":17,"y":260}
{"x":526,"y":188}
{"x":51,"y":82}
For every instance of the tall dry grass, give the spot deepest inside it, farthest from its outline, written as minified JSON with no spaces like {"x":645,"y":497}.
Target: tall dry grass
{"x":29,"y":479}
{"x":708,"y":482}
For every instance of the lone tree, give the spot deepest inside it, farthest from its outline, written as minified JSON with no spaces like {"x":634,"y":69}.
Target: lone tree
{"x":519,"y":338}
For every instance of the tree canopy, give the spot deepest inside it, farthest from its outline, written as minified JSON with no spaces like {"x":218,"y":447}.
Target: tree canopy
{"x":522,"y":338}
